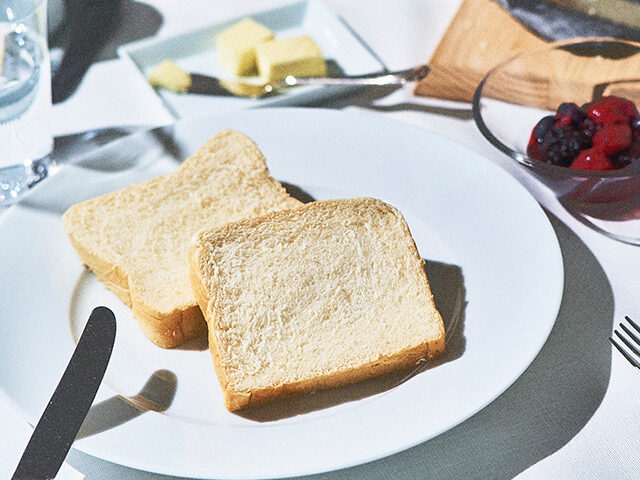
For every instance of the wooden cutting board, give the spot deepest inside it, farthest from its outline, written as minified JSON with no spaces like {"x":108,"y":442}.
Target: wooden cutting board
{"x":481,"y":35}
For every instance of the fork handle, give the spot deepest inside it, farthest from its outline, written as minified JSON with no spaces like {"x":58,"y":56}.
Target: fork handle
{"x":385,"y":78}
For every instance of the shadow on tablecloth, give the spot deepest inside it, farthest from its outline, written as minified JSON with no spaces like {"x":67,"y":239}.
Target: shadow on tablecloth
{"x":544,"y":409}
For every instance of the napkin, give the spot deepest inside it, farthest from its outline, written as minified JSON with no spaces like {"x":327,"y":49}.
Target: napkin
{"x":14,"y":436}
{"x":562,"y":19}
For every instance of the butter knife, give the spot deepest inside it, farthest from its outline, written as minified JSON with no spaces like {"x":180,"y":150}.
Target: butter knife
{"x":68,"y":407}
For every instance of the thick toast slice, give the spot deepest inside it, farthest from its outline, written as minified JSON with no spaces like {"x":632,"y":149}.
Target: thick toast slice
{"x":135,"y":240}
{"x":299,"y":300}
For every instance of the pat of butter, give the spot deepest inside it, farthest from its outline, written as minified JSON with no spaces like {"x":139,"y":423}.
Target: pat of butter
{"x":297,"y":56}
{"x":168,"y":75}
{"x":236,"y":46}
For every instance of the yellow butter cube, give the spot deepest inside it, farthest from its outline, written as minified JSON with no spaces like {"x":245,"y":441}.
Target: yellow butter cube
{"x":168,"y":75}
{"x":236,"y":46}
{"x":297,"y":56}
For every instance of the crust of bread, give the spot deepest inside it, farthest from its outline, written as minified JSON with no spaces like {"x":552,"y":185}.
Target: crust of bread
{"x":405,"y":360}
{"x":183,"y":322}
{"x":235,"y":399}
{"x":109,"y":274}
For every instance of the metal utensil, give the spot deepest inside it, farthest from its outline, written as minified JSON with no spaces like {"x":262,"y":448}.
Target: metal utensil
{"x":63,"y":416}
{"x":631,"y":340}
{"x":207,"y":85}
{"x":76,"y":144}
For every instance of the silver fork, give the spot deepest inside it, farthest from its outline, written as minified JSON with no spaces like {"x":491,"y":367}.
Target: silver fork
{"x":210,"y":85}
{"x":630,"y":340}
{"x":387,"y":78}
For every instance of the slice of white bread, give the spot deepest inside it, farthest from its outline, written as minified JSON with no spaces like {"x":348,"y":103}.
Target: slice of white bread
{"x":320,"y":296}
{"x":135,"y":240}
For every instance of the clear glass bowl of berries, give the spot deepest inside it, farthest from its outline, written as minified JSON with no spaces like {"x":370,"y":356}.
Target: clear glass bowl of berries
{"x":568,"y":113}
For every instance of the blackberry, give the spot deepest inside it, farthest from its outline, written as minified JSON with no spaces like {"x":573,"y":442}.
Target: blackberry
{"x":543,"y":126}
{"x":589,"y":127}
{"x":562,"y":144}
{"x":571,"y":110}
{"x":628,"y":156}
{"x":623,"y":160}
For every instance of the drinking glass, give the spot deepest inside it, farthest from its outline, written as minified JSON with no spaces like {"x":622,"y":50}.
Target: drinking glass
{"x":25,"y":97}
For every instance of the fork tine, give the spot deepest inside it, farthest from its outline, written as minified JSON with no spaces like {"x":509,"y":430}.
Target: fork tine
{"x":631,"y":346}
{"x":624,"y":353}
{"x":633,"y":336}
{"x":632,"y":323}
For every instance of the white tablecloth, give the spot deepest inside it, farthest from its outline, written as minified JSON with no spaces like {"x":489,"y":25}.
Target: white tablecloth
{"x":574,"y":413}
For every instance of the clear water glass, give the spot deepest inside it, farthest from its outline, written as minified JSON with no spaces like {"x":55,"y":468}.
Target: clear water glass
{"x":25,"y":97}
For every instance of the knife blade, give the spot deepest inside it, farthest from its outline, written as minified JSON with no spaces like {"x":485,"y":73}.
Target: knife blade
{"x":70,"y":402}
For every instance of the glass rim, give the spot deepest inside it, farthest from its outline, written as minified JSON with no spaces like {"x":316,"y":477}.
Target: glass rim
{"x":524,"y":159}
{"x":4,"y":5}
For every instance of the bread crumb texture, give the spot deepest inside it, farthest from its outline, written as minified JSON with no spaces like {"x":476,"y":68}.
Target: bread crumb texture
{"x":136,"y":239}
{"x":328,"y":288}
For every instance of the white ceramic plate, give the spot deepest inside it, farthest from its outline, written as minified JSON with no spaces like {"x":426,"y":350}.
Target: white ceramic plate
{"x":195,"y":52}
{"x":492,"y":258}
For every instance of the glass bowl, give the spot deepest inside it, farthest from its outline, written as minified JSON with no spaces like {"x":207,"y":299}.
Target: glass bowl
{"x":517,"y":93}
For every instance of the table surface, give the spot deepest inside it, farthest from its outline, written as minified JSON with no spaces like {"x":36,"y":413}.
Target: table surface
{"x":574,"y":413}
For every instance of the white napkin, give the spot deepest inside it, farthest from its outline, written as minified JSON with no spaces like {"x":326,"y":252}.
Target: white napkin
{"x":112,"y":93}
{"x":14,"y":436}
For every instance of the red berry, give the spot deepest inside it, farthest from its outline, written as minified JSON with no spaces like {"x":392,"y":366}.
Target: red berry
{"x":627,"y":107}
{"x":592,"y":159}
{"x":610,"y":110}
{"x":563,"y":121}
{"x":533,"y":147}
{"x":613,"y":138}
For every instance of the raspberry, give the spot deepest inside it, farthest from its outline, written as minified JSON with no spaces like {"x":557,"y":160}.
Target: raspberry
{"x":610,"y":110}
{"x":627,"y":107}
{"x":592,"y":159}
{"x":613,"y":138}
{"x":533,"y":148}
